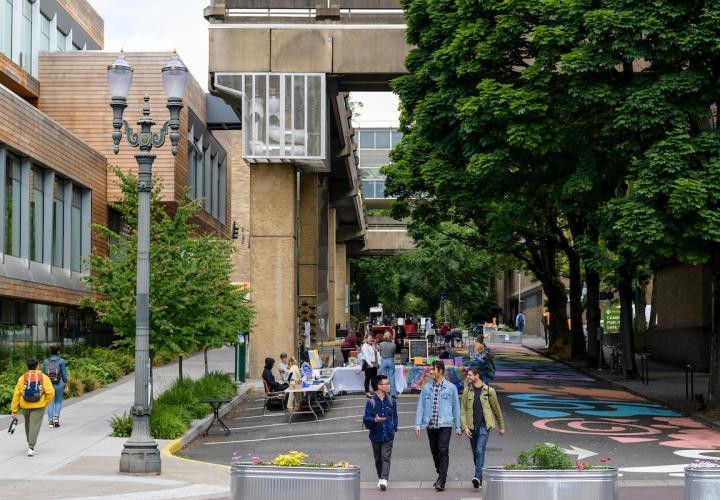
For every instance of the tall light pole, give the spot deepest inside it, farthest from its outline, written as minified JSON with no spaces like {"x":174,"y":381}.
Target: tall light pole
{"x":140,"y":453}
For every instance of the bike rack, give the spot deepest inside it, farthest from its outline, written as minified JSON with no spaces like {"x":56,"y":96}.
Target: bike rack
{"x":689,"y":377}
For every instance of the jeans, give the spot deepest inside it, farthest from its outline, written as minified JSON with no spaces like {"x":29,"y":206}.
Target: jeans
{"x":387,"y":368}
{"x":440,"y":449}
{"x":478,"y":442}
{"x":382,"y":453}
{"x":370,"y":375}
{"x":55,"y":404}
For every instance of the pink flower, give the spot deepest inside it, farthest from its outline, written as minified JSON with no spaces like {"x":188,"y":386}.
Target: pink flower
{"x":255,"y":460}
{"x":603,"y":460}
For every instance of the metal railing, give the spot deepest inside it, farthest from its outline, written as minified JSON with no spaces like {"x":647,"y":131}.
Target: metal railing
{"x":311,"y":4}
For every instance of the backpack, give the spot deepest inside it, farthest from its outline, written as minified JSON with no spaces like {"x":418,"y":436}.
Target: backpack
{"x":52,"y":370}
{"x":372,"y":403}
{"x":33,"y":388}
{"x":490,"y":366}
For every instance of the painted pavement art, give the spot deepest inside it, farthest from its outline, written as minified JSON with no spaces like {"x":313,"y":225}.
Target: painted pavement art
{"x":568,"y":403}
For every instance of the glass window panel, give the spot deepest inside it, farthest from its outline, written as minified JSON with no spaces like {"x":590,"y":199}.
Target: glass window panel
{"x":314,"y":116}
{"x":191,"y":169}
{"x":299,"y":130}
{"x":13,"y":207}
{"x":26,"y":37}
{"x":58,"y":225}
{"x":37,"y":214}
{"x":61,"y":40}
{"x":396,"y":137}
{"x":6,"y":26}
{"x":259,"y":115}
{"x":76,"y":229}
{"x":273,"y":118}
{"x":44,"y":34}
{"x":382,"y":139}
{"x":367,"y":140}
{"x":368,"y":189}
{"x":199,"y":174}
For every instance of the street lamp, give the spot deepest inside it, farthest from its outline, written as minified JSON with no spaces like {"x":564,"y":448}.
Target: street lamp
{"x":140,"y":453}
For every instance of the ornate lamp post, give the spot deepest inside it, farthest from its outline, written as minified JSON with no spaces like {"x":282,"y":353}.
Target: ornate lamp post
{"x":140,"y":453}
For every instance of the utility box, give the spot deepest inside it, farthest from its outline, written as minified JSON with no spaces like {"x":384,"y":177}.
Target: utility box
{"x":241,"y":357}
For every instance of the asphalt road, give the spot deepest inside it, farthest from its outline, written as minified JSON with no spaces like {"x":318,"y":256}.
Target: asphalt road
{"x":542,"y":400}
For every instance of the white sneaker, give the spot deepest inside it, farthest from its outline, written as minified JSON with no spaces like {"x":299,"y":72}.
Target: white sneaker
{"x":383,"y":484}
{"x":31,"y":452}
{"x":379,"y":485}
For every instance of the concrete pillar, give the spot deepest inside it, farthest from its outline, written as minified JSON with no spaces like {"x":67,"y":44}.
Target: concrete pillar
{"x":308,"y":252}
{"x":332,"y":313}
{"x":323,"y":281}
{"x":273,"y":191}
{"x":340,"y":282}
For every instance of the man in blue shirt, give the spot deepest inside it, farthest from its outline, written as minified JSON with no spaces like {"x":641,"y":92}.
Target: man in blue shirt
{"x":520,"y":322}
{"x":54,"y":367}
{"x":438,"y":411}
{"x":382,"y":420}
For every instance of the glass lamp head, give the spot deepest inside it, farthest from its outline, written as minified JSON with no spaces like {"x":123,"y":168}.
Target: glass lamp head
{"x":120,"y":76}
{"x":174,"y":77}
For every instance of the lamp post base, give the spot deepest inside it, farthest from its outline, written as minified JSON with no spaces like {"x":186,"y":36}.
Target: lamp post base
{"x":140,"y":458}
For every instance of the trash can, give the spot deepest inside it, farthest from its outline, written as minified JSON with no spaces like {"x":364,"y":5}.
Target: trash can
{"x":241,"y":356}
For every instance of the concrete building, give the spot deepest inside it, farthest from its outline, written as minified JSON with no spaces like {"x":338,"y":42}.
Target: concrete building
{"x":55,"y":144}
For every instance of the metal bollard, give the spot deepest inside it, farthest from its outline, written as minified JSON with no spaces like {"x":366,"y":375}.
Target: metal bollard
{"x":689,"y":378}
{"x":644,"y":372}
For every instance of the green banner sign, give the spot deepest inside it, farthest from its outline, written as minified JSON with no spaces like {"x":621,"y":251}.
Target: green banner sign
{"x":611,"y":320}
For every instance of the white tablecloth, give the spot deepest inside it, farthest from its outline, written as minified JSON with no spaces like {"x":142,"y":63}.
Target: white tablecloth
{"x":351,"y":379}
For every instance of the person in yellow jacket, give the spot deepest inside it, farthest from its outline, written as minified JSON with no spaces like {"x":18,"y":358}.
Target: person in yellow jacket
{"x":479,"y":413}
{"x":33,"y":392}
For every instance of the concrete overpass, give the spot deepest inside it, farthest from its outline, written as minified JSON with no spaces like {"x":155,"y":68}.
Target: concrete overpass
{"x":286,"y":66}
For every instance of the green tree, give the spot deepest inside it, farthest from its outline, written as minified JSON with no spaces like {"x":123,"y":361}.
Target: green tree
{"x":193,"y":305}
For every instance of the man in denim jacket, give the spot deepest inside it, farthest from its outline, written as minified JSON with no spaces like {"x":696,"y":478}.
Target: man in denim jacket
{"x":438,"y":411}
{"x":382,"y":419}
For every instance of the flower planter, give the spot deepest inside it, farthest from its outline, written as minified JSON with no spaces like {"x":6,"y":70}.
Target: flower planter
{"x":702,"y":484}
{"x":270,"y":482}
{"x":502,"y":484}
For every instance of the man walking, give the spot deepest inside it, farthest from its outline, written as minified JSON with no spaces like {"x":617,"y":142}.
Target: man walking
{"x":480,"y":412}
{"x":54,"y":367}
{"x":520,"y":322}
{"x":438,"y":411}
{"x":382,"y":420}
{"x":33,"y":392}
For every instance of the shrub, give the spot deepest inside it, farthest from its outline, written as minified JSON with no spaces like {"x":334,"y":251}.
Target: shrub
{"x":168,"y":422}
{"x":543,"y":457}
{"x":90,"y":381}
{"x":75,"y":386}
{"x":121,"y":425}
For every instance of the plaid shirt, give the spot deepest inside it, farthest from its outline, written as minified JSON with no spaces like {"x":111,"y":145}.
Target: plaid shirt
{"x":435,"y":406}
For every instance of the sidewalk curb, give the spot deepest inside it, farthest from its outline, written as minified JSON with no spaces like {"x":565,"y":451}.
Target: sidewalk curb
{"x":589,"y":373}
{"x":198,"y":426}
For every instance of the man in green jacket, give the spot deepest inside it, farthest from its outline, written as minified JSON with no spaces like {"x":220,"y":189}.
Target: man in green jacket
{"x":479,"y":412}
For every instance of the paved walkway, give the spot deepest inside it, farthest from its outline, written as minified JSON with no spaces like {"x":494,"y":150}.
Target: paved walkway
{"x":79,"y":459}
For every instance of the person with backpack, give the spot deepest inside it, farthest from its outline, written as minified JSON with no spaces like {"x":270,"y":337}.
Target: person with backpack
{"x":381,"y":419}
{"x":33,"y":392}
{"x":482,"y":356}
{"x":54,"y":368}
{"x":479,"y":413}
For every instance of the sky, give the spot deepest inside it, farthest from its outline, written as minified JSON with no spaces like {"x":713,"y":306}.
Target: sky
{"x":161,"y":25}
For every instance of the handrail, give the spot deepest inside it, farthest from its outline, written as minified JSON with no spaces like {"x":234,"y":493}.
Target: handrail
{"x":311,"y":4}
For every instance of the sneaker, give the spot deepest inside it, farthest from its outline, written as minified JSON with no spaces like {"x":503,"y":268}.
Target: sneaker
{"x":439,"y":486}
{"x":379,"y":485}
{"x":476,"y":482}
{"x":56,"y":421}
{"x":31,"y":452}
{"x":51,"y":424}
{"x":383,"y":484}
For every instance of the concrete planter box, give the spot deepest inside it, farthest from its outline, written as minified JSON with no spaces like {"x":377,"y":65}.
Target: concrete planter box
{"x":501,"y":484}
{"x":269,"y":482}
{"x":702,"y":484}
{"x":506,"y":338}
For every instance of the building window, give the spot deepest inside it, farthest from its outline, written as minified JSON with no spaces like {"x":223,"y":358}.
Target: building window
{"x":58,"y":224}
{"x":13,"y":205}
{"x":37,"y":214}
{"x":61,"y":41}
{"x":76,"y":232}
{"x":6,"y":26}
{"x":44,"y":34}
{"x":26,"y":37}
{"x":199,"y":174}
{"x":382,"y":139}
{"x":191,"y":167}
{"x":76,"y":46}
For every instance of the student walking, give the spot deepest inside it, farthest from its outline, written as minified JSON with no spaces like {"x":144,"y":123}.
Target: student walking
{"x":382,"y":420}
{"x":55,"y":369}
{"x":33,"y":392}
{"x":480,"y":412}
{"x":438,"y":411}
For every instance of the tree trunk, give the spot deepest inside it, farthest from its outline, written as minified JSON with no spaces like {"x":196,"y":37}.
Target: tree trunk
{"x":180,"y":373}
{"x":577,"y":337}
{"x":206,"y":363}
{"x":713,"y":399}
{"x":592,"y":279}
{"x":557,"y":305}
{"x":626,"y":325}
{"x":640,"y":304}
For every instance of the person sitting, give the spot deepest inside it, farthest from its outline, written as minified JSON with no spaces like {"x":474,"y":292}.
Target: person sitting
{"x":294,"y":377}
{"x":269,"y":378}
{"x":348,"y":344}
{"x":283,"y":367}
{"x":444,"y":330}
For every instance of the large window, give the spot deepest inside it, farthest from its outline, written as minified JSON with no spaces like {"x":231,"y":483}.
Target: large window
{"x":207,"y":170}
{"x":26,"y":36}
{"x":58,"y":232}
{"x":6,"y":25}
{"x":44,"y":34}
{"x":76,"y":230}
{"x":37,"y":214}
{"x":374,"y":147}
{"x":13,"y":205}
{"x":61,"y":41}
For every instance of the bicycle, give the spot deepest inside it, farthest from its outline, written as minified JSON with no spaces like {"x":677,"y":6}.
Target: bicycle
{"x":616,"y":363}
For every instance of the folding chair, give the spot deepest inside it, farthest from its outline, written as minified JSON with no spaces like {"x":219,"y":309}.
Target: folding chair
{"x":271,"y":397}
